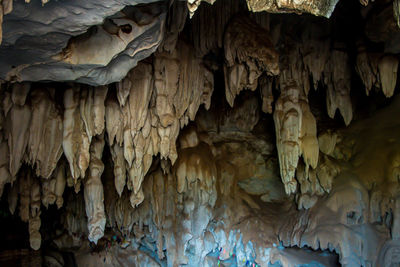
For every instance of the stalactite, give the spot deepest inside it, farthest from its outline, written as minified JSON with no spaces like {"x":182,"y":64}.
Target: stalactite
{"x":75,"y":139}
{"x":338,"y":86}
{"x":19,"y":93}
{"x":296,"y":134}
{"x":25,"y":183}
{"x":12,"y":197}
{"x":117,"y":154}
{"x":60,"y":185}
{"x":266,"y":94}
{"x":288,"y":118}
{"x":18,"y":119}
{"x":98,"y":115}
{"x":175,"y":24}
{"x":209,"y":24}
{"x":396,"y":11}
{"x":308,"y":136}
{"x":388,"y":66}
{"x":114,"y":122}
{"x":194,"y":4}
{"x":45,"y":134}
{"x":248,"y":53}
{"x":48,"y":192}
{"x":94,"y":192}
{"x":314,"y":52}
{"x":366,"y":69}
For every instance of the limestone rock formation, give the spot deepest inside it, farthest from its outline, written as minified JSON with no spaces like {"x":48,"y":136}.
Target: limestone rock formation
{"x":248,"y":53}
{"x":296,"y":132}
{"x":174,"y":133}
{"x":94,"y":192}
{"x":319,"y":8}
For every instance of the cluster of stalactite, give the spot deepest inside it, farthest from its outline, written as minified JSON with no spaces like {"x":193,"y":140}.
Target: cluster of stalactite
{"x":317,"y":61}
{"x":140,"y":119}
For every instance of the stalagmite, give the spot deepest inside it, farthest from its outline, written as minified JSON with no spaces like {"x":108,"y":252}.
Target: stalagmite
{"x":93,"y":191}
{"x":388,"y":66}
{"x":248,"y":53}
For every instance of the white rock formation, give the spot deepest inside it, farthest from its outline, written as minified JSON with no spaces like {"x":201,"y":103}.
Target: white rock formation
{"x":295,"y":128}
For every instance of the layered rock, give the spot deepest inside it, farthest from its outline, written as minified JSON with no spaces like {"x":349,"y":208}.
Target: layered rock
{"x":66,"y":44}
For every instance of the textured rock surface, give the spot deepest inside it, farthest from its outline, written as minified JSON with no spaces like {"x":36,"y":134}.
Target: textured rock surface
{"x":315,"y":7}
{"x":236,"y":140}
{"x":65,"y":49}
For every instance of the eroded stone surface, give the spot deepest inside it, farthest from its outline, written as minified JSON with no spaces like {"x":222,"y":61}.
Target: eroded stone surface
{"x":154,"y":170}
